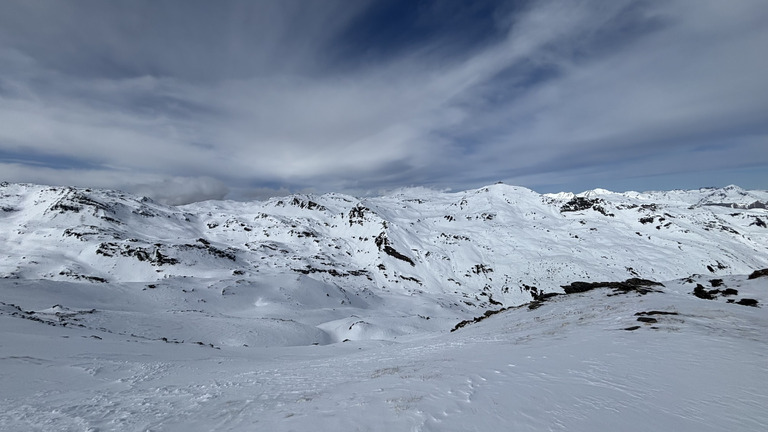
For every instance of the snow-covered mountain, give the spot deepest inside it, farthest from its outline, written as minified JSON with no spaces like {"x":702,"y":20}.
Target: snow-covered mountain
{"x":118,"y":313}
{"x":484,"y":246}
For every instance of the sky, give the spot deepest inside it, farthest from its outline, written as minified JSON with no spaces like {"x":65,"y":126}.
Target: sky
{"x":187,"y":100}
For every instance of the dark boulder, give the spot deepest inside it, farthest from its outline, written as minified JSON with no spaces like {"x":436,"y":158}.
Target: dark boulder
{"x":758,"y":273}
{"x":642,"y":286}
{"x":702,"y":293}
{"x":747,"y":302}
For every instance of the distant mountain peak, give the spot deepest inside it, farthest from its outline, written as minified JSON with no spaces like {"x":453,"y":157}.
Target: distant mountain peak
{"x":410,"y":241}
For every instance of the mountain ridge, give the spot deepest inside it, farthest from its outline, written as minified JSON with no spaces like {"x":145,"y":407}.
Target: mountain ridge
{"x":481,"y":246}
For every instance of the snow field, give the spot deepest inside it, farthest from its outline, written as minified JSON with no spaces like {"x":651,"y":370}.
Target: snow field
{"x":568,"y":365}
{"x":334,"y":313}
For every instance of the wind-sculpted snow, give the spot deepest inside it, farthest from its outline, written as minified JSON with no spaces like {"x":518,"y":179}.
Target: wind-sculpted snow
{"x":592,"y":311}
{"x":598,"y":359}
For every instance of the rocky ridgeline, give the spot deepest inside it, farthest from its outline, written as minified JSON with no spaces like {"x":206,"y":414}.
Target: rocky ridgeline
{"x":481,"y":248}
{"x":634,"y":286}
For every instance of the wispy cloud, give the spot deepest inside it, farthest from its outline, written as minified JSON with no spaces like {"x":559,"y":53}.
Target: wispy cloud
{"x":190,"y":100}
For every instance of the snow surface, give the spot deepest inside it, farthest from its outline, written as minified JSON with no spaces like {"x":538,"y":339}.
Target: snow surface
{"x":335,"y":313}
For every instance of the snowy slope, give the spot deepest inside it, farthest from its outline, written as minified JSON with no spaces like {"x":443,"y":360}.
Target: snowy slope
{"x":482,"y":246}
{"x":332,"y":312}
{"x":579,"y":362}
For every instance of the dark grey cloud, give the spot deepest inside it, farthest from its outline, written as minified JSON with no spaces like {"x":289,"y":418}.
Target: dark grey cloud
{"x":187,"y":100}
{"x":188,"y":40}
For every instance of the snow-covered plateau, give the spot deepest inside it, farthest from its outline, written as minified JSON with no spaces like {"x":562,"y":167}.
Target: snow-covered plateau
{"x":495,"y":308}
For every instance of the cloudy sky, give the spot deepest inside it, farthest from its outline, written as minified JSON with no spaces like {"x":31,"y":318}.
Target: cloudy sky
{"x":188,"y":100}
